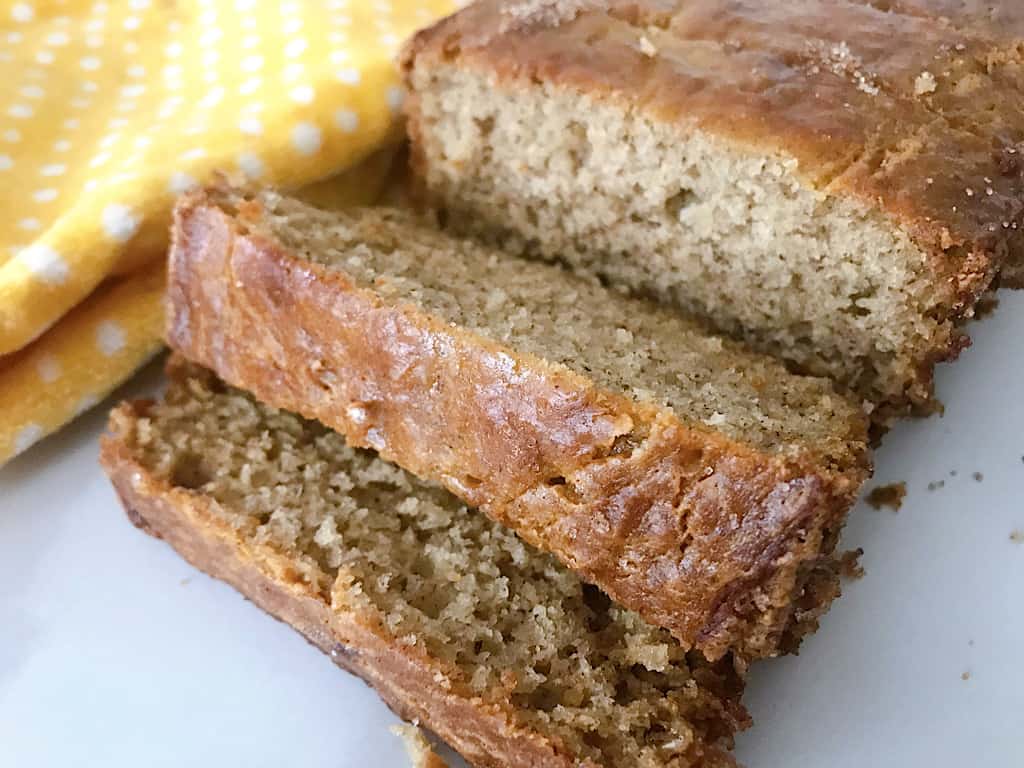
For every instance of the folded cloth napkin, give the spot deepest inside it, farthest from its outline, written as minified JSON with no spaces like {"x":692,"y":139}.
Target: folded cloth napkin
{"x":108,"y":110}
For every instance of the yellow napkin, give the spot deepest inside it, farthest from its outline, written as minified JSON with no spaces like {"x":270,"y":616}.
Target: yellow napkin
{"x":110,"y":109}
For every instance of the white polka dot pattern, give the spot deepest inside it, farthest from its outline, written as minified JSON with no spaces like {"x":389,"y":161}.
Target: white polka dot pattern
{"x":181,"y":182}
{"x":111,"y":110}
{"x":306,"y":138}
{"x":251,"y":165}
{"x":85,"y":403}
{"x":44,"y":263}
{"x":119,"y":222}
{"x":347,"y":120}
{"x":28,"y":436}
{"x":49,"y":368}
{"x":110,"y":338}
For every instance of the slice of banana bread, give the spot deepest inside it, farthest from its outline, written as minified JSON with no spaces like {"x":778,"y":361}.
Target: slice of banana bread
{"x":698,"y":484}
{"x":836,"y":182}
{"x":458,"y":624}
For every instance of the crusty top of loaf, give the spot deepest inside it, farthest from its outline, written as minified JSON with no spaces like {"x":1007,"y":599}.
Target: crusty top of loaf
{"x":911,"y":106}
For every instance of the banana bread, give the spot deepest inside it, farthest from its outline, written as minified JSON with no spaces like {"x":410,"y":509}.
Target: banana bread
{"x":459,"y":625}
{"x":696,"y":483}
{"x":835,"y":182}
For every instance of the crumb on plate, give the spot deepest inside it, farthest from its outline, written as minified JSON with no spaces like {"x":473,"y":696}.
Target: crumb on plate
{"x":849,"y":564}
{"x":890,"y":496}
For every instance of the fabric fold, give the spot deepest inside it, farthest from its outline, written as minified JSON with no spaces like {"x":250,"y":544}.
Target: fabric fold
{"x":109,"y":110}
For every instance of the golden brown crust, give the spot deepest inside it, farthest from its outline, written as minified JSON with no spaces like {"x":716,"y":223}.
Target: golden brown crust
{"x":416,"y":686}
{"x":703,"y":535}
{"x":835,"y":85}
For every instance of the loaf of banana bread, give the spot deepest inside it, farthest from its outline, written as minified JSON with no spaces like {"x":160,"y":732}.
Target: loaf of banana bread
{"x":836,"y":182}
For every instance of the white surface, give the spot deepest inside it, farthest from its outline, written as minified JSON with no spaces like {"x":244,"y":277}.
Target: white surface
{"x":114,"y":652}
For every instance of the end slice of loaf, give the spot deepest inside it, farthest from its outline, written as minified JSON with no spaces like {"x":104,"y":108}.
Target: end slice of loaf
{"x":457,"y":623}
{"x":696,"y":483}
{"x":837,"y":183}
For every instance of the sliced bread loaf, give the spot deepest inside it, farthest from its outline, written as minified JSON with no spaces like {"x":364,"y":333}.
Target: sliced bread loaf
{"x":698,"y":484}
{"x":458,"y":624}
{"x":837,"y":183}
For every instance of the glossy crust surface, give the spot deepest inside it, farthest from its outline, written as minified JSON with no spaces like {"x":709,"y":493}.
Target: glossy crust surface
{"x":911,"y":107}
{"x":728,"y":547}
{"x":412,"y":683}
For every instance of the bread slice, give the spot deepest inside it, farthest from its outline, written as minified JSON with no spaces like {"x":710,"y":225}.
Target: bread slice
{"x":698,"y":484}
{"x":836,"y":183}
{"x":458,"y":624}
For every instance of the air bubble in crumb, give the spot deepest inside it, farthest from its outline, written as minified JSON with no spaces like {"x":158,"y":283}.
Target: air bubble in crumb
{"x":495,"y":299}
{"x":716,"y":419}
{"x":925,"y":83}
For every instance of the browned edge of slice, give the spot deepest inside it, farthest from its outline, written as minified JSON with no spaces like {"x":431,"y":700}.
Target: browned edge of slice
{"x":415,"y":685}
{"x":706,"y":536}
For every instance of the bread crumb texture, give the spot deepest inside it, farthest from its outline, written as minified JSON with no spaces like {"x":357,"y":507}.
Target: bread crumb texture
{"x":518,"y":629}
{"x":625,"y":345}
{"x":723,"y":234}
{"x":835,"y":182}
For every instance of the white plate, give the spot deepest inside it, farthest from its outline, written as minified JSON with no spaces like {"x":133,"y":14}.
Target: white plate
{"x":114,"y":652}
